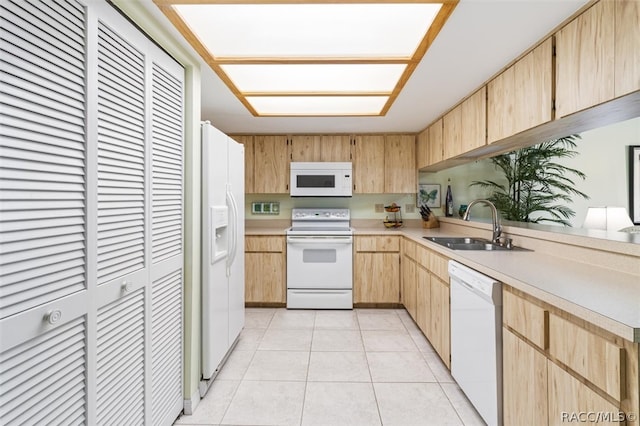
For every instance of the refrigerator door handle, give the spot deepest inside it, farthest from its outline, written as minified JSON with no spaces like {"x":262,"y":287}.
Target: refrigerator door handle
{"x":233,"y":227}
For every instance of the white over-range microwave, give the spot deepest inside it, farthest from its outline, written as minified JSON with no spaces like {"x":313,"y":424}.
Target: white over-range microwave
{"x":321,"y":179}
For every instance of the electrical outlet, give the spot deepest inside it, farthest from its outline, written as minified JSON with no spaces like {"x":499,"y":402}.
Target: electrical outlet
{"x":410,"y":208}
{"x":379,"y":208}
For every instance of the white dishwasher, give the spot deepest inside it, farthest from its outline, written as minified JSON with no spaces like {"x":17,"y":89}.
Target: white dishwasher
{"x":476,"y":339}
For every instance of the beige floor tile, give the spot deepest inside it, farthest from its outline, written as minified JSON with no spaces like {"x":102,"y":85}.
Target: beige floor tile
{"x":278,"y":366}
{"x":293,"y":319}
{"x":212,"y":408}
{"x":421,"y":341}
{"x":466,"y":411}
{"x":344,"y":404}
{"x":414,"y":404}
{"x":257,"y":319}
{"x":286,"y":340}
{"x":440,"y":371}
{"x":388,"y":341}
{"x":336,"y":340}
{"x":380,"y":322}
{"x":266,"y":403}
{"x":337,"y":320}
{"x":399,"y":367}
{"x":249,"y":339}
{"x":236,"y":365}
{"x":338,"y":367}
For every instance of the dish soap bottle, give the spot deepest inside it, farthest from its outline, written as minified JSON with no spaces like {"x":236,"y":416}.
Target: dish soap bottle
{"x":448,"y":209}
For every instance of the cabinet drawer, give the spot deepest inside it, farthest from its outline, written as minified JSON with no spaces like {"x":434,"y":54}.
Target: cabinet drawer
{"x":596,"y":359}
{"x":439,"y":265}
{"x":375,"y":243}
{"x":422,"y":256}
{"x":409,"y":248}
{"x":263,"y":244}
{"x":526,"y":318}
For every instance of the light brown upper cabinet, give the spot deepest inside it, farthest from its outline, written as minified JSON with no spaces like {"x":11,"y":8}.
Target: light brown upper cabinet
{"x":368,"y":164}
{"x":474,"y":121}
{"x":335,"y":148}
{"x":464,"y":127}
{"x":271,"y":165}
{"x":305,"y":148}
{"x":521,"y":97}
{"x":429,"y":145}
{"x":627,"y":42}
{"x":400,"y":174}
{"x":249,"y":160}
{"x":436,"y":149}
{"x":321,"y":148}
{"x":585,"y":59}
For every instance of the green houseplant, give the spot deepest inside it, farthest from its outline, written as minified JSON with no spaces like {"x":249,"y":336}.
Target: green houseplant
{"x":537,"y":187}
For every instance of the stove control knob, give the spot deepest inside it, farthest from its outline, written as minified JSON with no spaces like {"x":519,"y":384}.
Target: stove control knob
{"x":327,"y":214}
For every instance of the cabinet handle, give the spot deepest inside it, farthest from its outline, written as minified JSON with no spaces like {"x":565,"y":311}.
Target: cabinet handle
{"x":53,"y":316}
{"x":127,"y":287}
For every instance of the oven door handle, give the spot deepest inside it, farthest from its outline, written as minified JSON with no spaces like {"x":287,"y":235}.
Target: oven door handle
{"x":319,"y":240}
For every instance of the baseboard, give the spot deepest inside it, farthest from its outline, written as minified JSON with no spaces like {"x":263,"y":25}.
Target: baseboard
{"x":265,"y":305}
{"x":191,"y":403}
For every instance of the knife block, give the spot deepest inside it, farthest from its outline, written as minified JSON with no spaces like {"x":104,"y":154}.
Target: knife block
{"x":432,"y":222}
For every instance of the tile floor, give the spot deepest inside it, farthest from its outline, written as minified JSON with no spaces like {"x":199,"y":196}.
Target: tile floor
{"x":336,"y":368}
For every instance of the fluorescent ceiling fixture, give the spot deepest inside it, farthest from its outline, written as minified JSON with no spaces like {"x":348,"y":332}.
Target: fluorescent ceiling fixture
{"x":318,"y":78}
{"x":310,"y":30}
{"x":275,"y":57}
{"x":317,"y":105}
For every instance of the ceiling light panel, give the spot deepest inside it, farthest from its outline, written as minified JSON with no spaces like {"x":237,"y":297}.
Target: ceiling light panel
{"x":310,"y":30}
{"x":314,"y":78}
{"x":317,"y":105}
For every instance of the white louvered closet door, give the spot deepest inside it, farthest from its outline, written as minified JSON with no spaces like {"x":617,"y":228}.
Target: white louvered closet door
{"x":91,"y":219}
{"x":43,"y":249}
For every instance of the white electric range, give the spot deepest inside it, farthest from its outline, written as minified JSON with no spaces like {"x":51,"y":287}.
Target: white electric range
{"x":320,"y":259}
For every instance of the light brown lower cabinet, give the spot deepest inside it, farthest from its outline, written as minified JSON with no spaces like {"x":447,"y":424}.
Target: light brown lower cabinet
{"x":409,"y":285}
{"x":525,"y":382}
{"x":423,"y":299}
{"x":376,"y":269}
{"x":558,"y":369}
{"x":440,"y":327}
{"x":265,"y":270}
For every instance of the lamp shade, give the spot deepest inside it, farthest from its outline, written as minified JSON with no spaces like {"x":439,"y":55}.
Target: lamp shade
{"x":607,"y":218}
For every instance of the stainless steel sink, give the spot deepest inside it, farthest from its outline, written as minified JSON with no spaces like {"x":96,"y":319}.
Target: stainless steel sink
{"x":468,"y":243}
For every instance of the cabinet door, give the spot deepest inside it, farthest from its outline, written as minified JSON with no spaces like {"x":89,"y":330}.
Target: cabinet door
{"x":305,"y":148}
{"x":567,"y":395}
{"x":400,"y":164}
{"x":335,"y":148}
{"x":368,"y":164}
{"x":422,"y":149}
{"x":524,"y":374}
{"x":409,"y":285}
{"x":585,"y":60}
{"x":452,"y":133}
{"x":376,"y":278}
{"x":271,"y":165}
{"x":423,"y":300}
{"x":533,"y":88}
{"x":265,"y":280}
{"x":500,"y":106}
{"x":474,"y":121}
{"x":436,"y":149}
{"x":440,"y":324}
{"x":627,"y":42}
{"x":249,"y":164}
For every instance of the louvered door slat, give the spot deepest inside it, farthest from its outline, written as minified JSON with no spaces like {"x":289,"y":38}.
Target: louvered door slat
{"x":121,"y":146}
{"x":120,"y":362}
{"x":166,"y":133}
{"x":166,"y":347}
{"x":29,"y":389}
{"x":42,"y":152}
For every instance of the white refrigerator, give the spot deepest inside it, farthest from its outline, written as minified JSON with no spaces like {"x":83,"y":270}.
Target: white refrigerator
{"x":222,"y":246}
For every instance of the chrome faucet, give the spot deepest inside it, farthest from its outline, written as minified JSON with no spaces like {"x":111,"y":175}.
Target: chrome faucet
{"x":497,"y":229}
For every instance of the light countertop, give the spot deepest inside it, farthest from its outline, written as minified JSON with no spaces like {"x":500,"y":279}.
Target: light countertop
{"x":605,"y":297}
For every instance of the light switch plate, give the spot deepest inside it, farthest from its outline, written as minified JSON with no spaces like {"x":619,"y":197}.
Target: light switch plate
{"x":410,"y":208}
{"x":379,"y":208}
{"x":265,"y":207}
